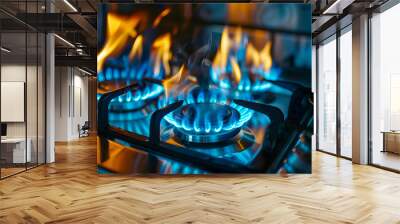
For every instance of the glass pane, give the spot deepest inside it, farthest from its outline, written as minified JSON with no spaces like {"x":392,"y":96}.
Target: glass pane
{"x":32,"y":85}
{"x":22,"y":81}
{"x":13,"y":86}
{"x":31,"y":97}
{"x":385,"y":84}
{"x":346,"y":94}
{"x":327,"y":97}
{"x":41,"y":98}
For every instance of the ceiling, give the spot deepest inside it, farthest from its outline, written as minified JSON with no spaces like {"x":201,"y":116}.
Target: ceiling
{"x":76,"y":21}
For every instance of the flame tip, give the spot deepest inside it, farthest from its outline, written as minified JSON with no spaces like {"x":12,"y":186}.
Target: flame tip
{"x":163,"y":14}
{"x":226,"y":59}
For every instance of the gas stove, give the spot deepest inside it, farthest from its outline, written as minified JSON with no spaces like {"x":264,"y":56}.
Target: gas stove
{"x":219,"y":105}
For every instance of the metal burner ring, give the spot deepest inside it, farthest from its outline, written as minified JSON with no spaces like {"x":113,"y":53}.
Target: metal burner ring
{"x":184,"y":136}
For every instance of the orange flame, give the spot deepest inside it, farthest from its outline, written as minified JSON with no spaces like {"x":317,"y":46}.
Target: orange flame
{"x":238,"y":36}
{"x":224,"y":50}
{"x":265,"y":56}
{"x":227,"y":45}
{"x":252,"y":56}
{"x":230,"y":45}
{"x":136,"y":48}
{"x":173,"y":80}
{"x":259,"y":59}
{"x":119,"y":30}
{"x":161,"y":53}
{"x":221,"y":58}
{"x":236,"y":73}
{"x":163,"y":14}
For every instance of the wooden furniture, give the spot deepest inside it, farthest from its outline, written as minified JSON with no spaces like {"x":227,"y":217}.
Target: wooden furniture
{"x":391,"y":141}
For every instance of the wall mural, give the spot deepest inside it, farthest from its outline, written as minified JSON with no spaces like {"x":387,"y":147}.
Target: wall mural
{"x":204,"y":88}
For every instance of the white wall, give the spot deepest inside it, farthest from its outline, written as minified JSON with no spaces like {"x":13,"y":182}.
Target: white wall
{"x":80,"y":102}
{"x":16,"y":73}
{"x":33,"y":127}
{"x":71,"y":102}
{"x":12,"y":73}
{"x":61,"y":103}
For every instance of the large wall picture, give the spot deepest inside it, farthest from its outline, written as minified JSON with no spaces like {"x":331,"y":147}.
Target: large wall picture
{"x":204,"y":88}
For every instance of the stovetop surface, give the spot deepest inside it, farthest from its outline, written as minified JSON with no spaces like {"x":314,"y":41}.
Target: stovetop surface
{"x":197,"y":100}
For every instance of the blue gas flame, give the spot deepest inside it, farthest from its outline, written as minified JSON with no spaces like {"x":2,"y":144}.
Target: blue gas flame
{"x":258,"y":83}
{"x":134,"y":98}
{"x":130,"y":73}
{"x":172,"y":167}
{"x":211,"y":119}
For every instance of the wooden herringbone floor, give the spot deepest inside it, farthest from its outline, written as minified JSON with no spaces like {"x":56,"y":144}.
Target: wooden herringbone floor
{"x":70,"y":191}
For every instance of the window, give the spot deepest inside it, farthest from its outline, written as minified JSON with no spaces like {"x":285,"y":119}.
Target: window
{"x":327,"y":96}
{"x":385,"y":89}
{"x":22,"y":76}
{"x":346,"y":93}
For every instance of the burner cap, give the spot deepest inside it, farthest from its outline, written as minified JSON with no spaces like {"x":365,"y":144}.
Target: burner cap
{"x":206,"y":122}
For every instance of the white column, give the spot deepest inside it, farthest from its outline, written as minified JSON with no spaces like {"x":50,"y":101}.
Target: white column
{"x":50,"y":99}
{"x":50,"y":92}
{"x":62,"y":103}
{"x":360,"y":90}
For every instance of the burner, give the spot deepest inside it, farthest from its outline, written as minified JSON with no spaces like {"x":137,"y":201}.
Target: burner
{"x":135,"y":99}
{"x":253,"y":80}
{"x":206,"y":122}
{"x":197,"y":98}
{"x":208,"y":116}
{"x":241,"y":148}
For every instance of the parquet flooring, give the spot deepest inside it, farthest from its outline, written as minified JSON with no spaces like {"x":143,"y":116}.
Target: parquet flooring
{"x":11,"y":170}
{"x":70,"y":191}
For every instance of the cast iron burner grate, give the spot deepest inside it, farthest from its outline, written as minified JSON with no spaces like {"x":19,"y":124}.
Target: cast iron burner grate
{"x":243,"y":151}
